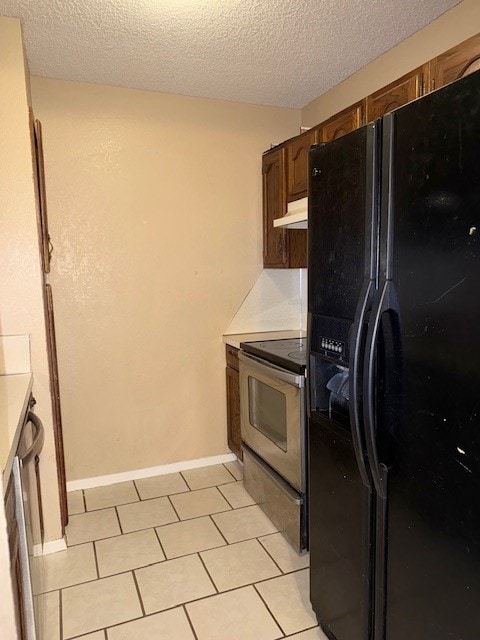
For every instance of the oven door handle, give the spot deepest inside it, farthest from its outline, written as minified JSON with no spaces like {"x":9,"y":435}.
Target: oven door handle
{"x":270,"y":370}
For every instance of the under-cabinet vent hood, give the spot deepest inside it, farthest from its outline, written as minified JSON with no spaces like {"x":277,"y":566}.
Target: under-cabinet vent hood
{"x":296,"y":216}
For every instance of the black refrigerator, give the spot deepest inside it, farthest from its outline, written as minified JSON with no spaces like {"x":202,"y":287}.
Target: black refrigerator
{"x":394,"y":373}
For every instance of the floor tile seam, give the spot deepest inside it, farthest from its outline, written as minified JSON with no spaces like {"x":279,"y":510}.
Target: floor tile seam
{"x":205,"y":514}
{"x":244,"y":539}
{"x":158,"y":526}
{"x":270,"y":555}
{"x":185,"y":480}
{"x":227,"y":469}
{"x":139,"y":594}
{"x":136,"y":490}
{"x":60,"y":613}
{"x":125,"y":504}
{"x":225,"y":497}
{"x":208,"y":486}
{"x":208,"y":574}
{"x":174,"y":510}
{"x":267,"y":606}
{"x":160,"y":542}
{"x":96,"y":559}
{"x":315,"y":626}
{"x":191,"y":553}
{"x":190,"y":622}
{"x":246,"y":584}
{"x":146,"y":615}
{"x":111,"y":575}
{"x":119,"y":521}
{"x":82,"y":635}
{"x":218,"y":529}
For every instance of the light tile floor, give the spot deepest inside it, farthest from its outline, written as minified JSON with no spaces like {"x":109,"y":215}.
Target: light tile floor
{"x":186,"y":556}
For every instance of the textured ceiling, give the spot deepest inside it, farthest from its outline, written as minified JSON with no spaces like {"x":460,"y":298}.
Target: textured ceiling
{"x":275,"y":52}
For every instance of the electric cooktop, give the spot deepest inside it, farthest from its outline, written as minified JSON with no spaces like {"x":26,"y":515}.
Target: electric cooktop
{"x":290,"y":354}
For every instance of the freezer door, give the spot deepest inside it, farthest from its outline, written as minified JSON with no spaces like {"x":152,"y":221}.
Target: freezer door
{"x":341,"y":233}
{"x":429,"y":404}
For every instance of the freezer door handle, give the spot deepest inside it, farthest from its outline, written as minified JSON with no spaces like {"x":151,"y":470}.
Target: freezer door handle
{"x":385,"y":301}
{"x":355,"y":378}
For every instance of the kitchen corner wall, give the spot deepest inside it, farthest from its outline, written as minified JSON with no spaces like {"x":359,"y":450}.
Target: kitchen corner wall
{"x":21,"y":302}
{"x":154,"y":206}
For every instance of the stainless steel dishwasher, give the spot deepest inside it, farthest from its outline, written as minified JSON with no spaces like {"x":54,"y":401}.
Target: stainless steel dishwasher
{"x":28,"y":512}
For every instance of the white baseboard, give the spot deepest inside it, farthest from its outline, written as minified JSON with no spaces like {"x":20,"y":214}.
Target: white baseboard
{"x":52,"y":546}
{"x":103,"y":481}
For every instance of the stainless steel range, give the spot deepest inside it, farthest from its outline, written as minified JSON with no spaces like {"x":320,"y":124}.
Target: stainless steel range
{"x":272,"y":412}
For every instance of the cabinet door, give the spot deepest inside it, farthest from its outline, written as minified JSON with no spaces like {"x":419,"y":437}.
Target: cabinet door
{"x":297,"y":165}
{"x":274,"y":206}
{"x":343,"y":122}
{"x":234,"y":435}
{"x":56,"y":409}
{"x":40,"y":192}
{"x":396,"y":94}
{"x":455,"y":63}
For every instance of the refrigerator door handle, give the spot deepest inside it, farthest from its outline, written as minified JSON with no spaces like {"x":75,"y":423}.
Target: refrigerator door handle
{"x":383,"y":303}
{"x":355,"y":376}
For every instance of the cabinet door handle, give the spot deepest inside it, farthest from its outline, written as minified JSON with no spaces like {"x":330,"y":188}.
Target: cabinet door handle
{"x":50,"y":248}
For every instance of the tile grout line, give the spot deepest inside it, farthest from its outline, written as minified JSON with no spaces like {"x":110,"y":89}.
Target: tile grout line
{"x":270,"y":555}
{"x":218,"y":529}
{"x":124,"y":504}
{"x":174,"y":510}
{"x":138,"y":492}
{"x":60,"y":613}
{"x":185,"y":480}
{"x":228,"y":470}
{"x":138,"y":593}
{"x":116,"y":535}
{"x":118,"y":519}
{"x":96,"y":559}
{"x":190,"y":622}
{"x":208,"y":573}
{"x":160,"y":542}
{"x":84,"y":501}
{"x":254,"y":585}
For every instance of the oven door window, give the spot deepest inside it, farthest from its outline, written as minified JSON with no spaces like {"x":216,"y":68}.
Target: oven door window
{"x":268,"y":411}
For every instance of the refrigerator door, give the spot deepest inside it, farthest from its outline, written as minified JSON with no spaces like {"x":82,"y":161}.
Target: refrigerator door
{"x":342,"y":271}
{"x":428,"y":428}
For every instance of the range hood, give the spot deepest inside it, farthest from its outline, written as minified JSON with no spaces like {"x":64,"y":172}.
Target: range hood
{"x":296,"y":216}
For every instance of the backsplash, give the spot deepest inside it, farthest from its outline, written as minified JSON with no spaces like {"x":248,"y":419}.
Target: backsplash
{"x":277,"y":301}
{"x":15,"y":354}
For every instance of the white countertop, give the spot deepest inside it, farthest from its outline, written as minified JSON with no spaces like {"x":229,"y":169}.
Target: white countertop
{"x":14,"y":395}
{"x":234,"y":339}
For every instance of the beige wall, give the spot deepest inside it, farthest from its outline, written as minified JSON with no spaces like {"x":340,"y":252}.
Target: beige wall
{"x":155,"y":215}
{"x":458,"y":24}
{"x":21,"y":303}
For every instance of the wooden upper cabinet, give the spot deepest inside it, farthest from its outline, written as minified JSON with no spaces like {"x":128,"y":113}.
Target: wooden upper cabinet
{"x":455,"y":63}
{"x":274,"y":206}
{"x":343,"y":122}
{"x":297,"y":165}
{"x":282,"y":248}
{"x":396,"y":94}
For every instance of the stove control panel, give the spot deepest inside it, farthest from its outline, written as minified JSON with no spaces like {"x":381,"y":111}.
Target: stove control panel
{"x":334,"y":346}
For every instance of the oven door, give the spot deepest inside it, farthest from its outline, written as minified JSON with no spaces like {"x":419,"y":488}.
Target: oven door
{"x":272,"y":416}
